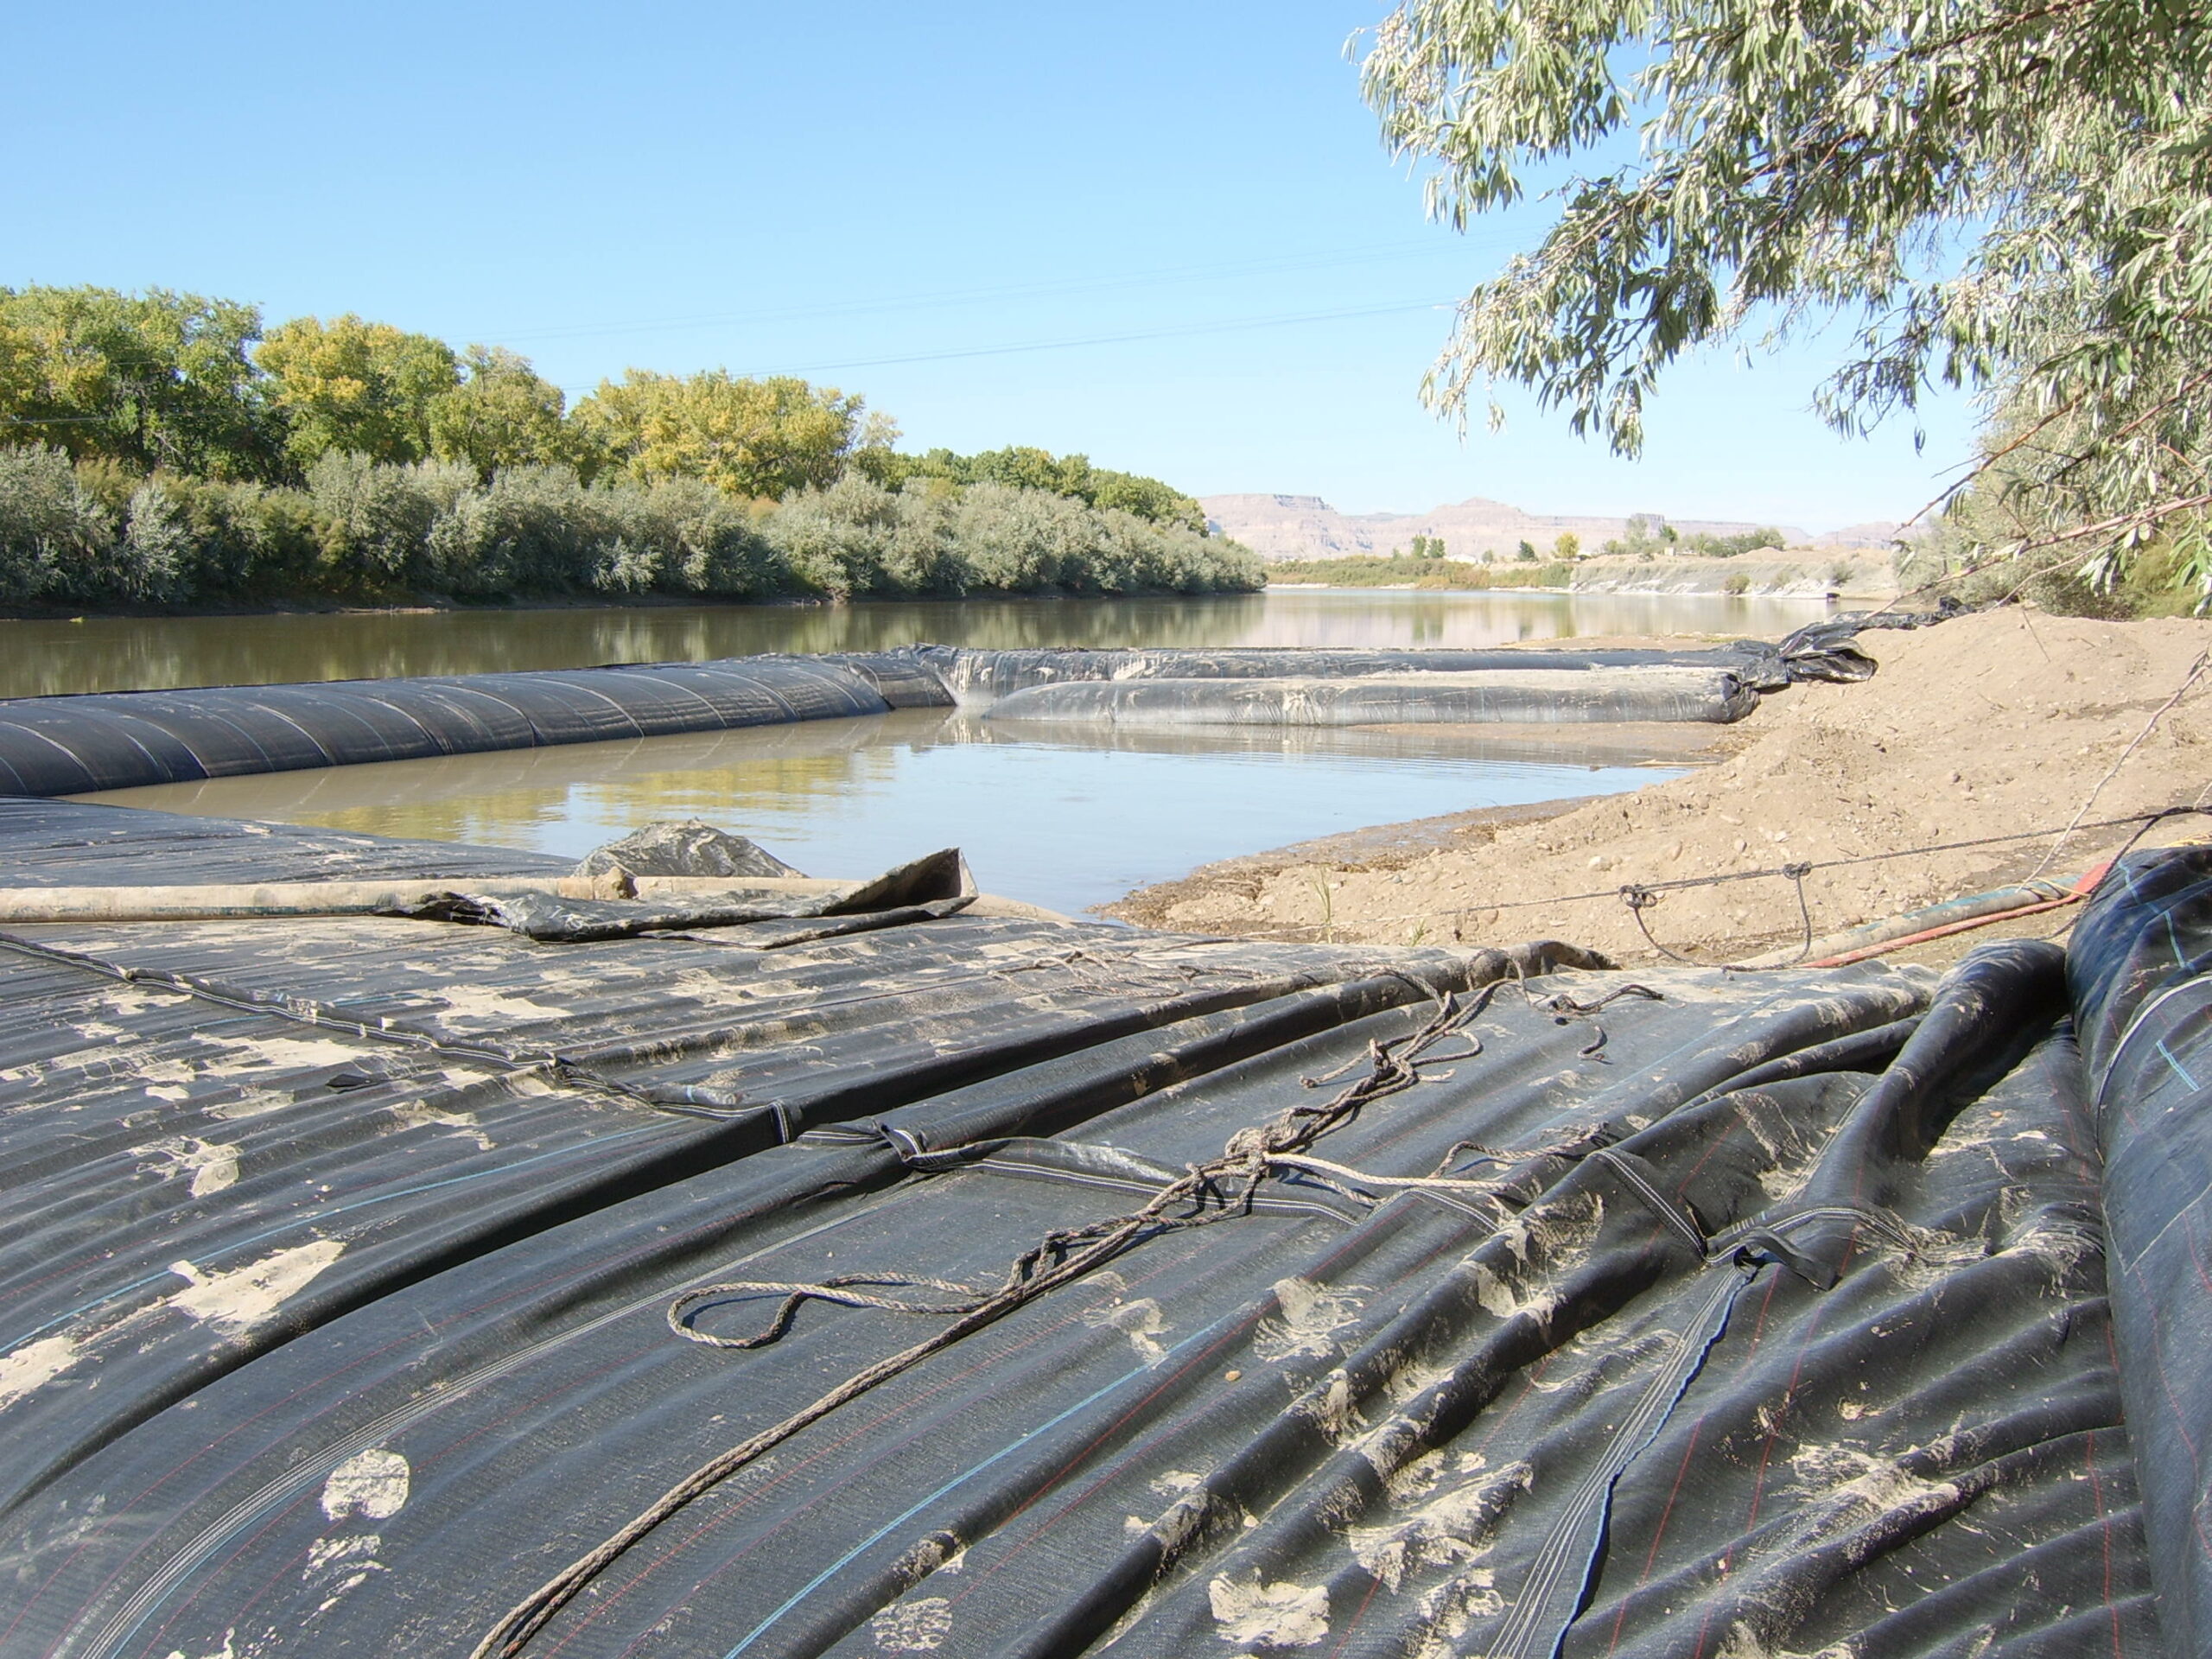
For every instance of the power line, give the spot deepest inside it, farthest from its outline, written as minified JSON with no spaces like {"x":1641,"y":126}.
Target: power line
{"x":1179,"y":331}
{"x":1165,"y":276}
{"x":1182,"y":331}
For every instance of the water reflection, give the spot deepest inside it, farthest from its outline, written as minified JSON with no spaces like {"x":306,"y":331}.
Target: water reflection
{"x":1065,"y":816}
{"x":135,"y":653}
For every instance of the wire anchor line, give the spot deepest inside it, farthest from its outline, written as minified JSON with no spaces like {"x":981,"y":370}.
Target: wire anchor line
{"x":1639,"y":900}
{"x":1683,"y":883}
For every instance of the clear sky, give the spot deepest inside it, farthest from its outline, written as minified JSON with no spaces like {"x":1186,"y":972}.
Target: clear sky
{"x":1164,"y":235}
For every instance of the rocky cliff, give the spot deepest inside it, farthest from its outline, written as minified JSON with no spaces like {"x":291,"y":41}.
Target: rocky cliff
{"x":1307,"y":527}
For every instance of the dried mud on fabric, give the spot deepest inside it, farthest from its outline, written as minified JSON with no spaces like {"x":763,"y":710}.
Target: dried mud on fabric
{"x":1458,"y":1301}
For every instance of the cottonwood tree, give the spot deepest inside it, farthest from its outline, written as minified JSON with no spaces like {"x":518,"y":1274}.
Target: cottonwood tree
{"x":747,"y":437}
{"x":154,"y":379}
{"x":356,"y":387}
{"x":2009,"y":195}
{"x":502,"y":414}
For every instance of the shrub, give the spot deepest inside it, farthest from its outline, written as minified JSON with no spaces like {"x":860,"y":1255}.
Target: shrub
{"x":154,"y":559}
{"x":244,"y":539}
{"x":362,"y":525}
{"x":1016,"y":541}
{"x":51,"y":531}
{"x":531,"y":530}
{"x":683,"y":536}
{"x":833,"y":540}
{"x":376,"y":516}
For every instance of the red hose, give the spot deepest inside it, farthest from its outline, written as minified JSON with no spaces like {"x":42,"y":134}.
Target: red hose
{"x":2074,"y":895}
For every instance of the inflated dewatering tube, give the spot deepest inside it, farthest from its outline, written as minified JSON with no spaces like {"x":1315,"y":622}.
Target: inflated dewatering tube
{"x":122,"y":740}
{"x":1564,"y":696}
{"x":979,"y":678}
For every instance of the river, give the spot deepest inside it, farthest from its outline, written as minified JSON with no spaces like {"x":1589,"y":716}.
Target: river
{"x":45,"y":658}
{"x":1066,"y":817}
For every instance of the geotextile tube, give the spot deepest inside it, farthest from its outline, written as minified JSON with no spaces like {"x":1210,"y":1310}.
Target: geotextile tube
{"x":126,"y":740}
{"x":1564,"y":696}
{"x":978,"y":677}
{"x":967,"y":1286}
{"x":122,"y":740}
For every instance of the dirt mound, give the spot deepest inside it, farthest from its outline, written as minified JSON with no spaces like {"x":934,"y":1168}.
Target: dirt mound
{"x":1991,"y":725}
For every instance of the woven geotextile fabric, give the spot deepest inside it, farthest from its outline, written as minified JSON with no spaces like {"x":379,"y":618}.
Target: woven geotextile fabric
{"x":1383,"y":1309}
{"x":2141,"y":966}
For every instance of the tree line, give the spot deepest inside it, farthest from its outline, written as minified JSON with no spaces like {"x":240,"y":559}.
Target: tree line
{"x":1647,"y":536}
{"x":163,"y":448}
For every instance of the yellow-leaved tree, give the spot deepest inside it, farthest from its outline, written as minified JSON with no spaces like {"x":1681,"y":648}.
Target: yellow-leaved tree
{"x":364,"y":388}
{"x":760,"y":438}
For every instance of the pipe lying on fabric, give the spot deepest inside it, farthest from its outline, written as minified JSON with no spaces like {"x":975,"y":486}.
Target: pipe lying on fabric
{"x":1935,"y":921}
{"x":277,"y":900}
{"x":1927,"y":935}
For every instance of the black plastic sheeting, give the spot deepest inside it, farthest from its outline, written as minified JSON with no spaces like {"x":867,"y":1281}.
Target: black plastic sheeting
{"x":685,"y":846}
{"x":1766,"y":1314}
{"x":126,"y":740}
{"x":923,"y":889}
{"x":61,"y":844}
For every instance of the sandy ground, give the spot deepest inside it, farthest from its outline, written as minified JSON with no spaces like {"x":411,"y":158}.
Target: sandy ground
{"x":1991,"y":725}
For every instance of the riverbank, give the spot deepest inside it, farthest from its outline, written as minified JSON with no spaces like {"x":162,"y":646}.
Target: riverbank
{"x":1988,"y":725}
{"x":1802,"y":572}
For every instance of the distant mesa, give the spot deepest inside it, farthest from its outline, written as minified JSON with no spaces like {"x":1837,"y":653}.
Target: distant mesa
{"x":1279,"y":527}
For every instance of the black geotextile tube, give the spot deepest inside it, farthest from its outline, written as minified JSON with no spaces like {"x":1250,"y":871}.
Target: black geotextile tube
{"x":50,"y":844}
{"x":1578,"y":1401}
{"x":2141,"y":963}
{"x":324,"y":1108}
{"x":123,"y":739}
{"x":977,"y":674}
{"x":1577,"y":696}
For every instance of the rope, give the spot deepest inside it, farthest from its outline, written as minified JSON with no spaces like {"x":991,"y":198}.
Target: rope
{"x":1361,"y":1177}
{"x":1229,"y":1183}
{"x":841,"y":1290}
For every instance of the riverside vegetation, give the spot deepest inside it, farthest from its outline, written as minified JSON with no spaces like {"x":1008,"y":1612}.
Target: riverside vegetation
{"x":1428,"y":565}
{"x":159,"y":449}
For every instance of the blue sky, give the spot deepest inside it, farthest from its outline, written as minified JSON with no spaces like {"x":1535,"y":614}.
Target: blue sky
{"x":926,"y":205}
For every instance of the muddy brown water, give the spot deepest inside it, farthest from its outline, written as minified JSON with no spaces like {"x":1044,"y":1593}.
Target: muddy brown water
{"x":1069,"y":817}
